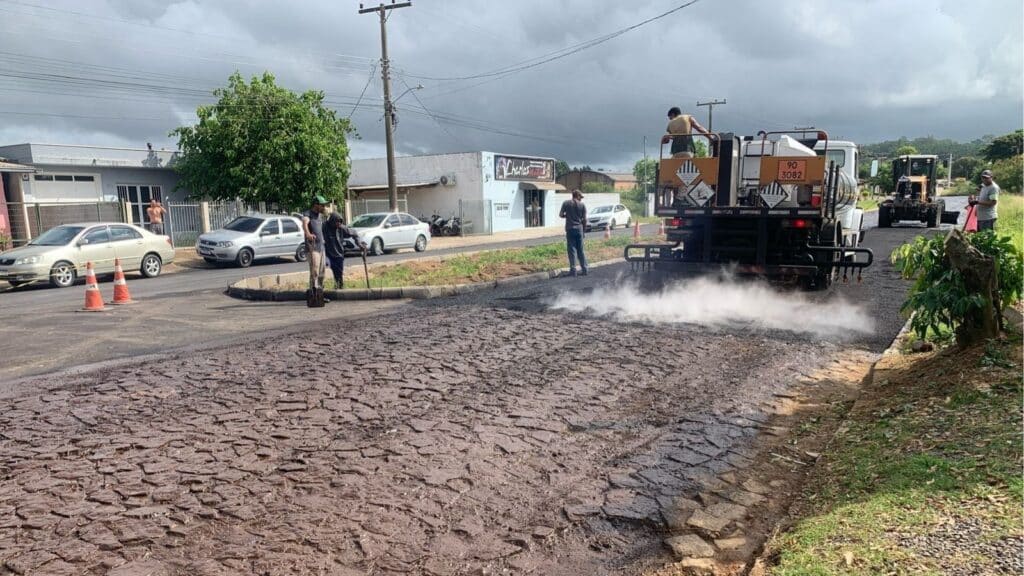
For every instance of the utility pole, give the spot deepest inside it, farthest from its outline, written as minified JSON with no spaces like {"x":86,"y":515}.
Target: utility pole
{"x":644,"y":176}
{"x":389,"y":113}
{"x":711,"y":106}
{"x":949,"y":173}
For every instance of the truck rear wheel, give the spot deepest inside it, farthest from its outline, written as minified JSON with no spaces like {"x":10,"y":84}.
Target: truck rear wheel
{"x":830,"y":235}
{"x":884,"y":216}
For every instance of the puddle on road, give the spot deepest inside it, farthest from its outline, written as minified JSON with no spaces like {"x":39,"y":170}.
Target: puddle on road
{"x":724,"y":303}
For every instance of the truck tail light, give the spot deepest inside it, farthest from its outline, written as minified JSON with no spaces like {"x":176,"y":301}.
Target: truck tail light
{"x":675,"y":222}
{"x":798,"y":223}
{"x":816,"y":200}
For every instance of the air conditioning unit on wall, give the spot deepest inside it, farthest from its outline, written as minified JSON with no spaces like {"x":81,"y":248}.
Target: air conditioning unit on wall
{"x":447,"y":179}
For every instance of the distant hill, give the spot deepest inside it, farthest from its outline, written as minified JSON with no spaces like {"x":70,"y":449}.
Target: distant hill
{"x":926,"y":145}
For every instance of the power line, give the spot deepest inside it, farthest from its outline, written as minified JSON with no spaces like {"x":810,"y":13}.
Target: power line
{"x":367,"y":85}
{"x":559,"y":54}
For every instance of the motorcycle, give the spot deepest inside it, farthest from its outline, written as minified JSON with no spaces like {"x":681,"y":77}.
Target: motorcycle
{"x":452,"y":227}
{"x":436,"y":225}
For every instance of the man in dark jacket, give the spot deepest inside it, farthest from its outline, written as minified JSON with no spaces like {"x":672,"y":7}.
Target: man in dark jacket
{"x":575,"y":214}
{"x":335,"y":233}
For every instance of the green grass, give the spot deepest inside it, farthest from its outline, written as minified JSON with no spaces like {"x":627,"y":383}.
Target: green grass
{"x":1011,"y":218}
{"x":486,"y":266}
{"x":867,"y":204}
{"x":940,"y":439}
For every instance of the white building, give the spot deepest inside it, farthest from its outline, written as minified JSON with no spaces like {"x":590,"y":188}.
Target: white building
{"x":491,"y":192}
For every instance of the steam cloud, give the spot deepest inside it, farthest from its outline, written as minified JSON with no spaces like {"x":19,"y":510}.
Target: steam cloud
{"x":723,"y":303}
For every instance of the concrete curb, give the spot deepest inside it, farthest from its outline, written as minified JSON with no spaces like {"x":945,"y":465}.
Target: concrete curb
{"x":261,"y":288}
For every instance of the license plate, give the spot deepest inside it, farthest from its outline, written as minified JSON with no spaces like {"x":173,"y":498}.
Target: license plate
{"x":206,"y":252}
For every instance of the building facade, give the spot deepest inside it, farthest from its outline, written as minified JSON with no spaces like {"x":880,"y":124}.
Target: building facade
{"x":63,"y":183}
{"x":617,"y":181}
{"x":490,"y":192}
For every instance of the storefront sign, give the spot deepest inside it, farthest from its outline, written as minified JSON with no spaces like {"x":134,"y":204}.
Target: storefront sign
{"x":502,"y":208}
{"x":517,"y":168}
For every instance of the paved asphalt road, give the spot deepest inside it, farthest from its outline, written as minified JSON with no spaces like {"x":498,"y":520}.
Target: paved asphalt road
{"x":42,"y":299}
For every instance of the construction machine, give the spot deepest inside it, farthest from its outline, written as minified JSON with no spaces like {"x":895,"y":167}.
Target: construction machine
{"x":914,"y":197}
{"x":775,"y":205}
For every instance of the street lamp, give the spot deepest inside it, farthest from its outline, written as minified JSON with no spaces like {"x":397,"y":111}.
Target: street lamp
{"x":416,"y":87}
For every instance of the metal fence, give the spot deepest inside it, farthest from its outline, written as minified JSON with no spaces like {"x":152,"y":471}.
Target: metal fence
{"x":30,"y":219}
{"x":369,"y":206}
{"x":476,"y":217}
{"x":184,"y":223}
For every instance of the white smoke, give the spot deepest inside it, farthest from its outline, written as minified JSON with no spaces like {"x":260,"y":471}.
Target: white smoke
{"x":718,"y":302}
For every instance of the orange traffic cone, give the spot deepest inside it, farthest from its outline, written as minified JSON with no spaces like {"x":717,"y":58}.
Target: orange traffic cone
{"x":93,"y":299}
{"x":121,"y":295}
{"x":636,"y":230}
{"x":661,"y":228}
{"x":607,"y":232}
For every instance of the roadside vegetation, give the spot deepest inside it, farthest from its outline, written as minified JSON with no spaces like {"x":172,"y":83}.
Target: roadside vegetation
{"x":483,"y":266}
{"x":924,"y":475}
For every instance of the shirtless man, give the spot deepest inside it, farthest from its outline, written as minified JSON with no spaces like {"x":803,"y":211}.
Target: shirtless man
{"x":156,"y":216}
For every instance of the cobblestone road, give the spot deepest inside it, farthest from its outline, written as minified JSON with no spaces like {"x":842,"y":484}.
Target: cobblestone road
{"x":477,"y":435}
{"x":506,"y":439}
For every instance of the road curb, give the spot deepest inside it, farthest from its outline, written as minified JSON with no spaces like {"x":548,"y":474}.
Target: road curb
{"x":259,"y":288}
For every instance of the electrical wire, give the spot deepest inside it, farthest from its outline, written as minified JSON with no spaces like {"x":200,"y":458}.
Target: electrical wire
{"x":558,"y":54}
{"x":369,"y":79}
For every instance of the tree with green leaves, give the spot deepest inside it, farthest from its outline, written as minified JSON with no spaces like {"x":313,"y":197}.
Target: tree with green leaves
{"x":905,"y":150}
{"x":1005,"y":146}
{"x":561,"y":168}
{"x":263,"y":143}
{"x":644,"y":172}
{"x":967,"y":167}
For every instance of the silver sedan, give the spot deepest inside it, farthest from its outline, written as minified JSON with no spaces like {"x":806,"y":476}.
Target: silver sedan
{"x":387,"y":231}
{"x":59,"y":255}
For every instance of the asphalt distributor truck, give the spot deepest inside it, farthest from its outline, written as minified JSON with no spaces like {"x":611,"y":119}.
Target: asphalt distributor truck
{"x":780,"y":205}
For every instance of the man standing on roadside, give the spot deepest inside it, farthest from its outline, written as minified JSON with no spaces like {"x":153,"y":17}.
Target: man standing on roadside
{"x":155,"y":212}
{"x":575,"y":214}
{"x":985,"y":203}
{"x":312,"y":226}
{"x":335,"y":233}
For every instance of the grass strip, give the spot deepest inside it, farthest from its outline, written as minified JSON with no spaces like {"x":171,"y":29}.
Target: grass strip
{"x":924,"y":476}
{"x":485,"y":266}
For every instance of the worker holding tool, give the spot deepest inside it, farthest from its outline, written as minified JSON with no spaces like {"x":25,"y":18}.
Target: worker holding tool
{"x":985,"y":203}
{"x":312,"y":228}
{"x":335,"y":232}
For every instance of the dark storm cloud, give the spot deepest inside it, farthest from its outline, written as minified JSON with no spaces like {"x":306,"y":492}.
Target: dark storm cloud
{"x":866,"y":70}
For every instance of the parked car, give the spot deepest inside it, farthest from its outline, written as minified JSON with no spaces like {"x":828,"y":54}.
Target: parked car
{"x":387,"y":231}
{"x":608,"y":216}
{"x":60,"y":254}
{"x":254,"y":237}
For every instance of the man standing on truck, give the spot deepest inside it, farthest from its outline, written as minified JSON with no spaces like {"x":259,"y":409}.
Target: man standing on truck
{"x":575,"y":214}
{"x":680,"y":127}
{"x":985,"y":203}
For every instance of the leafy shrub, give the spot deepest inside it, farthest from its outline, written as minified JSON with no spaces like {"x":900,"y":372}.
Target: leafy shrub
{"x":939,"y":297}
{"x":1009,"y":173}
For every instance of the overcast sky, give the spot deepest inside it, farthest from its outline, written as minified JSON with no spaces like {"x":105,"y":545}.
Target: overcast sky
{"x":126,"y":72}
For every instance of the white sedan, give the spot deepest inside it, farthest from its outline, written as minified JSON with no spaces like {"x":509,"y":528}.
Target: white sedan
{"x":389,"y":231}
{"x":608,"y":216}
